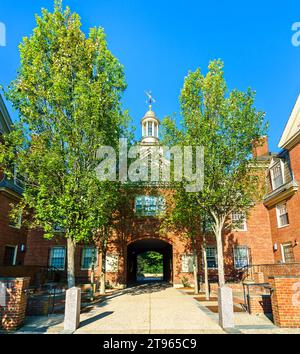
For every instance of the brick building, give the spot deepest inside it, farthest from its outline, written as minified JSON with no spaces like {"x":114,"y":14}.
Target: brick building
{"x":12,"y":235}
{"x":269,"y":235}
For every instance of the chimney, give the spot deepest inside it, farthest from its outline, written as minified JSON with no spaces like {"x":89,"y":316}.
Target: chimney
{"x":261,"y":147}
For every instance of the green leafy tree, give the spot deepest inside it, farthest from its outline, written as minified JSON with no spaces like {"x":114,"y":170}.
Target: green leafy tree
{"x":226,"y":124}
{"x":150,"y":262}
{"x":67,"y":93}
{"x":183,"y":216}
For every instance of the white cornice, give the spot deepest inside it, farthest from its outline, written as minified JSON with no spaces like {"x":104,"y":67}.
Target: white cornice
{"x":292,"y":128}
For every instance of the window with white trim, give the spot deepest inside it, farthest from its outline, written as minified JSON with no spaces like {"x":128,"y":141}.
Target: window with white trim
{"x":57,"y":257}
{"x":89,"y":256}
{"x":277,"y":175}
{"x":241,"y":256}
{"x":282,"y":215}
{"x":287,"y":253}
{"x":149,"y":205}
{"x":16,"y":222}
{"x":211,"y":257}
{"x":239,"y":221}
{"x":150,"y":129}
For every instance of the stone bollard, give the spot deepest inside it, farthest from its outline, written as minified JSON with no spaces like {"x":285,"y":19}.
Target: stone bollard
{"x":72,"y":309}
{"x":225,"y":302}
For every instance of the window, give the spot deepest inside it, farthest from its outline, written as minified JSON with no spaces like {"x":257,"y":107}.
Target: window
{"x":187,"y":263}
{"x":239,"y":221}
{"x":277,"y":176}
{"x":207,"y":224}
{"x":149,"y":206}
{"x":150,"y":129}
{"x":282,"y":215}
{"x":18,"y":179}
{"x":287,"y":253}
{"x":89,"y":256}
{"x":10,"y":255}
{"x":211,"y":257}
{"x":57,"y":257}
{"x":16,"y":222}
{"x":241,"y":256}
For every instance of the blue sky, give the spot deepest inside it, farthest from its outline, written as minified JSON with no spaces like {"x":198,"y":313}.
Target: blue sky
{"x":158,"y":42}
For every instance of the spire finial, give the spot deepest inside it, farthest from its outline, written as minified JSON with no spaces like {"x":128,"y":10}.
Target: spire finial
{"x":150,"y":99}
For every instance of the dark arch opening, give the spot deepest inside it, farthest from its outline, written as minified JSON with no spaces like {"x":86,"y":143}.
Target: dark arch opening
{"x":142,"y":246}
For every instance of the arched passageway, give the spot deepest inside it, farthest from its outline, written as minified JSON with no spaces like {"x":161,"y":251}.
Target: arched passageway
{"x":142,"y":246}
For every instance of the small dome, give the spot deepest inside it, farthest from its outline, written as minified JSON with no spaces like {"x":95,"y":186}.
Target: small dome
{"x":150,"y":114}
{"x":150,"y":125}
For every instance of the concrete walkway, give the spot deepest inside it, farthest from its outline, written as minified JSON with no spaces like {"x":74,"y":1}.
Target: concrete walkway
{"x":155,"y":308}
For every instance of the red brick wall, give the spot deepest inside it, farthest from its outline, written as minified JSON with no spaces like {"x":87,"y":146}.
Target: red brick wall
{"x":259,"y":303}
{"x":289,"y":233}
{"x":13,"y":314}
{"x":286,"y":301}
{"x":257,"y":237}
{"x":9,"y":235}
{"x":261,"y":148}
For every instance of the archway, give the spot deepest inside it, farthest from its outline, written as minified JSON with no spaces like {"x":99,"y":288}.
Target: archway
{"x":141,"y":247}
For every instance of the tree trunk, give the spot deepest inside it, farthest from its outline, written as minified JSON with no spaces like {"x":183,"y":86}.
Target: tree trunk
{"x":219,"y":228}
{"x":71,"y":262}
{"x":205,"y":271}
{"x":103,"y":273}
{"x":195,"y":268}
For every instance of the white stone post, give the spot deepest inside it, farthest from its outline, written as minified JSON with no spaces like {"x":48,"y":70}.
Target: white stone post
{"x":225,"y":302}
{"x":72,"y":309}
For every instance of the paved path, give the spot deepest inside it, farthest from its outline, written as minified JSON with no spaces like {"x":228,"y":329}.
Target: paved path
{"x":152,"y":308}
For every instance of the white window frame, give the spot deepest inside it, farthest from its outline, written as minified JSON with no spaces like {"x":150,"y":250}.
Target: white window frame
{"x":18,"y":224}
{"x":50,"y":256}
{"x":282,"y":251}
{"x":82,"y":257}
{"x":244,"y":226}
{"x":234,"y":255}
{"x":272,"y":168}
{"x":278,"y":206}
{"x":216,"y":256}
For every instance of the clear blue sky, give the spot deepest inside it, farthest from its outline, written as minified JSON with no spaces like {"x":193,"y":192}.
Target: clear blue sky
{"x":159,"y":41}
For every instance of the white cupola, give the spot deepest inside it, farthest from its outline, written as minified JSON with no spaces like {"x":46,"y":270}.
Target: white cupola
{"x":150,"y":126}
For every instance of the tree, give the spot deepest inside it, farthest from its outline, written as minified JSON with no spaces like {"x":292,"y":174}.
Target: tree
{"x":67,"y":94}
{"x":226,"y":124}
{"x":183,"y":216}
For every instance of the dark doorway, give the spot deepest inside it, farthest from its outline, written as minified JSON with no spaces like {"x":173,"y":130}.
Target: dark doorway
{"x":140,"y":248}
{"x":9,"y":256}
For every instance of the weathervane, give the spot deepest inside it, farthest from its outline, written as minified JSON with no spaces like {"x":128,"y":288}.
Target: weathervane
{"x":150,"y":99}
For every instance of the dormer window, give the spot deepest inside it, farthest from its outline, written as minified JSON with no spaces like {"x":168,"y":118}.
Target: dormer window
{"x":277,"y":177}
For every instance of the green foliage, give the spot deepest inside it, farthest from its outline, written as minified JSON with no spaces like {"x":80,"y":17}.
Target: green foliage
{"x":67,"y":93}
{"x":150,"y":262}
{"x":226,"y":124}
{"x":185,"y":282}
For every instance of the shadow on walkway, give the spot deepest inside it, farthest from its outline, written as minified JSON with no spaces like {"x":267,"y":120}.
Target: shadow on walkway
{"x":147,"y":288}
{"x":95,"y":318}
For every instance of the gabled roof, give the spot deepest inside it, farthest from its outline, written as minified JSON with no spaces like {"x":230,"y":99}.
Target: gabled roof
{"x":291,"y":132}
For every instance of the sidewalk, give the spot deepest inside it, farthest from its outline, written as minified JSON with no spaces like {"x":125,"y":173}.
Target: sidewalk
{"x":153,"y":309}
